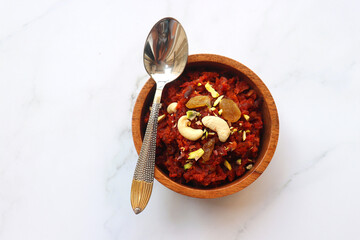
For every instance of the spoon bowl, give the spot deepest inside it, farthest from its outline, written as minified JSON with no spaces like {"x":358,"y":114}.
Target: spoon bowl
{"x":165,"y":57}
{"x":166,"y":51}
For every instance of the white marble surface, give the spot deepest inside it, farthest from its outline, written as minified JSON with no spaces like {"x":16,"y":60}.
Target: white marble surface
{"x":69,"y":75}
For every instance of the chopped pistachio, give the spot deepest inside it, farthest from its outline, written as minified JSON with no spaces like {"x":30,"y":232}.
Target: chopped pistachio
{"x":247,"y":131}
{"x":238,"y":162}
{"x":244,"y":136}
{"x":249,"y":160}
{"x":247,"y":117}
{"x":218,"y":100}
{"x":212,"y":109}
{"x":211,"y":90}
{"x":211,"y":133}
{"x":231,"y":128}
{"x":227,"y":165}
{"x":220,"y":111}
{"x":206,"y":134}
{"x":196,"y":154}
{"x":182,"y":148}
{"x":199,"y":84}
{"x":191,"y":114}
{"x":240,"y":124}
{"x":161,"y":117}
{"x":187,"y":165}
{"x":248,"y":167}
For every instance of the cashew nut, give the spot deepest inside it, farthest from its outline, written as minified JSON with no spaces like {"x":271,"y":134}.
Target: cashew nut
{"x":172,"y":107}
{"x":218,"y":125}
{"x":188,"y":132}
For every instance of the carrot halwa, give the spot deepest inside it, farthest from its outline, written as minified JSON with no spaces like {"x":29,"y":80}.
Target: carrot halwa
{"x":230,"y":138}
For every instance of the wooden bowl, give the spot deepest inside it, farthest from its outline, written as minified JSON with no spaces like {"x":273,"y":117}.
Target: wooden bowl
{"x":269,"y":136}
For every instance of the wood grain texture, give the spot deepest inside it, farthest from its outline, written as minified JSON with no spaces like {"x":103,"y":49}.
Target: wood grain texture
{"x":269,"y":136}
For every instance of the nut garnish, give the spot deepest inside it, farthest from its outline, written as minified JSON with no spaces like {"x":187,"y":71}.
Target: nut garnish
{"x":227,"y":165}
{"x":248,"y":167}
{"x":171,"y":108}
{"x":211,"y":90}
{"x":217,"y":101}
{"x":188,"y":132}
{"x":196,"y":154}
{"x":187,"y":165}
{"x":191,"y":114}
{"x":218,"y":125}
{"x":161,"y":117}
{"x":238,"y":162}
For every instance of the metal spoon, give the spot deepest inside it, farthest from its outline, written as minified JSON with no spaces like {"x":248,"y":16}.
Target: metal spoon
{"x":165,"y":57}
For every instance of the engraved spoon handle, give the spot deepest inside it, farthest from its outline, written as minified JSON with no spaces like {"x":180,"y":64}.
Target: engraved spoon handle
{"x":143,"y":179}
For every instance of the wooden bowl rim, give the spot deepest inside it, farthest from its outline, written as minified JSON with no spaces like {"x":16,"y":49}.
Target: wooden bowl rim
{"x":243,"y":181}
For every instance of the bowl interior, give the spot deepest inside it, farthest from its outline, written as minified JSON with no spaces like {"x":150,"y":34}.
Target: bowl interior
{"x":269,"y":132}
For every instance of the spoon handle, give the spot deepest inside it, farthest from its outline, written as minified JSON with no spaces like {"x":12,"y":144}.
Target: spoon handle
{"x":143,"y":179}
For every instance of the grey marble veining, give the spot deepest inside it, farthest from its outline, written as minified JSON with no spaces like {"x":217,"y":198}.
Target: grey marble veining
{"x":70,"y":73}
